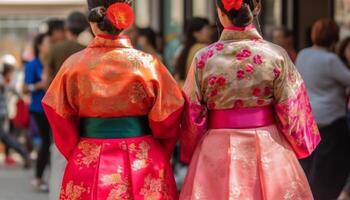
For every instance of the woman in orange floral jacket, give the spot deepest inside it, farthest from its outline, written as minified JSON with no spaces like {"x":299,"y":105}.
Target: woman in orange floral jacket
{"x":115,"y":115}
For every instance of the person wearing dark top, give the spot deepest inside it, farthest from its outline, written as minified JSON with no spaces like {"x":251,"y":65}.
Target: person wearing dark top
{"x":75,"y":24}
{"x":33,"y":85}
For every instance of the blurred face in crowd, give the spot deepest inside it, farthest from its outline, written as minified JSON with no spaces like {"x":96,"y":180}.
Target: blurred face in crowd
{"x":44,"y":48}
{"x":58,"y":36}
{"x":204,"y":35}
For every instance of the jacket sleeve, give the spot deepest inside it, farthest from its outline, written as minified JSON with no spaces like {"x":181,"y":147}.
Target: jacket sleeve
{"x":166,"y":112}
{"x":194,"y":123}
{"x":293,"y":109}
{"x":60,"y":105}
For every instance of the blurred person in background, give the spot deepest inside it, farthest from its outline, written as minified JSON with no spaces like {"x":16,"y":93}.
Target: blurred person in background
{"x":197,"y":36}
{"x":75,"y":24}
{"x":10,"y":142}
{"x":344,"y":54}
{"x":34,"y":85}
{"x":56,"y":30}
{"x":147,"y":41}
{"x":326,"y":78}
{"x":284,"y":38}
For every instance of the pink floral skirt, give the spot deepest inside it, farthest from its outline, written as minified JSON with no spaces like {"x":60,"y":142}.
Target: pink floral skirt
{"x":250,"y":164}
{"x":113,"y":169}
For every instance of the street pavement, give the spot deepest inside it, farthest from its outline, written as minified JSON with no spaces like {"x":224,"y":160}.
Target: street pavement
{"x":15,"y":184}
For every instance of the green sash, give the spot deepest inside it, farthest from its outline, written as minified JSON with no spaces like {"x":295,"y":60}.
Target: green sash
{"x":118,"y":127}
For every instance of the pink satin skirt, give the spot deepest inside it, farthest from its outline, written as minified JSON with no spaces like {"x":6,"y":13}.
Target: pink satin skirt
{"x":245,"y":164}
{"x":111,"y":169}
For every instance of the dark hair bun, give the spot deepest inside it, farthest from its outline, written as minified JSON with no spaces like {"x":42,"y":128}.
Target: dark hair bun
{"x":97,"y":14}
{"x":245,"y":15}
{"x":242,"y":17}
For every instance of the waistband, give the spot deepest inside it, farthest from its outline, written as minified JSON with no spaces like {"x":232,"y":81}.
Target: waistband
{"x":241,"y":118}
{"x":117,"y":127}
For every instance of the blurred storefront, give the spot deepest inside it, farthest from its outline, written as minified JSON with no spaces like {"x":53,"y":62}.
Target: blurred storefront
{"x":20,"y":20}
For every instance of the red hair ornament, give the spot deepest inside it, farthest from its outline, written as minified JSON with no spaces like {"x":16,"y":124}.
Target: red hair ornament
{"x":232,"y":4}
{"x":120,"y":15}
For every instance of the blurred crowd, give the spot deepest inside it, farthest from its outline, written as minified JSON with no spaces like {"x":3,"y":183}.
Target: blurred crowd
{"x":25,"y":132}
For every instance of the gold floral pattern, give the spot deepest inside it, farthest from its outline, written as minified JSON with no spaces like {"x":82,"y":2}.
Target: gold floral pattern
{"x":89,"y":154}
{"x":137,"y":93}
{"x":120,"y":183}
{"x":141,"y":152}
{"x":73,"y":192}
{"x":155,"y":188}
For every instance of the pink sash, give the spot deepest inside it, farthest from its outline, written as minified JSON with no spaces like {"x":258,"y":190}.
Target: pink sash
{"x":241,"y":118}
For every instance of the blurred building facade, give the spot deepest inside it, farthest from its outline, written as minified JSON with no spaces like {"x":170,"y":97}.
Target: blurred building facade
{"x":21,"y":19}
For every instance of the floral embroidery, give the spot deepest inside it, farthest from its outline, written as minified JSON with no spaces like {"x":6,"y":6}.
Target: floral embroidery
{"x":212,"y":80}
{"x":267,"y":91}
{"x":219,"y":46}
{"x":257,"y":92}
{"x":239,"y":104}
{"x":88,"y":155}
{"x":216,"y":83}
{"x":121,"y":186}
{"x":141,"y":153}
{"x":210,"y":53}
{"x":214,"y":93}
{"x":73,"y":192}
{"x":155,"y":188}
{"x":240,"y":74}
{"x":137,"y":93}
{"x":249,"y":68}
{"x":258,"y":59}
{"x":277,"y":72}
{"x":221,"y":81}
{"x":200,"y":64}
{"x":244,"y":54}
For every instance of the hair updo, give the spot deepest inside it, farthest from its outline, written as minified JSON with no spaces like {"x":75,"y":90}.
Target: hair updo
{"x":97,"y":14}
{"x":242,"y":17}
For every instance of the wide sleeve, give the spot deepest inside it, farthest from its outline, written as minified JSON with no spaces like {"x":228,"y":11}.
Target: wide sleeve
{"x":60,"y":105}
{"x":293,"y":109}
{"x":194,"y":123}
{"x":166,"y":112}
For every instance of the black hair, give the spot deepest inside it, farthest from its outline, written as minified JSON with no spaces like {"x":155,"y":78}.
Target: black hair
{"x":76,"y":23}
{"x":55,"y":25}
{"x":97,"y":14}
{"x":7,"y":69}
{"x":194,"y":25}
{"x":38,"y":40}
{"x":150,"y":35}
{"x":242,"y":17}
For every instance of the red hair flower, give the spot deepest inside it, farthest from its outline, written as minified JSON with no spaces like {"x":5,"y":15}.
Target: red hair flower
{"x":121,"y":15}
{"x":232,"y":4}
